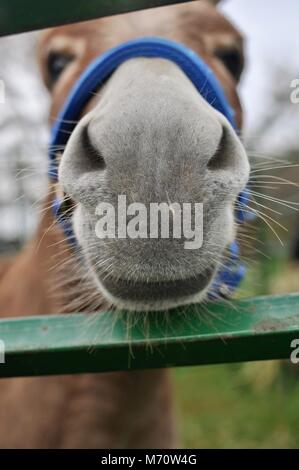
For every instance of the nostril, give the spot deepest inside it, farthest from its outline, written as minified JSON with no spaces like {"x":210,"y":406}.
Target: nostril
{"x":217,"y":161}
{"x":225,"y":157}
{"x":94,"y":157}
{"x":82,"y":170}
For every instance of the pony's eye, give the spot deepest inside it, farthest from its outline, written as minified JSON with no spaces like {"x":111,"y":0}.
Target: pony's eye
{"x":233,"y":61}
{"x":56,"y":64}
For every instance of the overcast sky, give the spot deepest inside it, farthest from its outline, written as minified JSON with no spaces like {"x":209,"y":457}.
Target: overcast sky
{"x":271,"y":28}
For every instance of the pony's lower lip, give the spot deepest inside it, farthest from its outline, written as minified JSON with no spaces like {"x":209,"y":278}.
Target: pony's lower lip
{"x":172,"y":291}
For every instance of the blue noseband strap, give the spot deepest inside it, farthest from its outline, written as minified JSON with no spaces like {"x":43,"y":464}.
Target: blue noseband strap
{"x":231,"y":274}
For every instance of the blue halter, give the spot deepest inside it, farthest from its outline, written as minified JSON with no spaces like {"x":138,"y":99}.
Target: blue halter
{"x":231,"y":274}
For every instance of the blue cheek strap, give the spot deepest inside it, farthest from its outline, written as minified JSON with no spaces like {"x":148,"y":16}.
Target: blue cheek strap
{"x":231,"y":274}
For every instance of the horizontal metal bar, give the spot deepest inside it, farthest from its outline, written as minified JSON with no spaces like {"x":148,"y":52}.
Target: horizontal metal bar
{"x":254,"y":329}
{"x":17,"y":16}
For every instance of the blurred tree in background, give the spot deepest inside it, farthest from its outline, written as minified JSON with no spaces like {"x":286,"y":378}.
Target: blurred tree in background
{"x":23,"y":137}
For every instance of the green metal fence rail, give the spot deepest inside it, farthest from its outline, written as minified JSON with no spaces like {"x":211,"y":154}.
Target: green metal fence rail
{"x":17,"y":16}
{"x":246,"y":330}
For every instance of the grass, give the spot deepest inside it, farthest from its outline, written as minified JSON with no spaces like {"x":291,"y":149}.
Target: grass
{"x":221,"y":406}
{"x":251,"y":405}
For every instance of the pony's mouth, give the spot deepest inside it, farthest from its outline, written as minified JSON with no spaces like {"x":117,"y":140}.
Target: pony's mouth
{"x":158,"y":295}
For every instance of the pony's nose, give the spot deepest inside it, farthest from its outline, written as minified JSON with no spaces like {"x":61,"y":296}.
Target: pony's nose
{"x":90,"y":173}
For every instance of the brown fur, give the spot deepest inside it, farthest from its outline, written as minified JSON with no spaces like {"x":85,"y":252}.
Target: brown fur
{"x":101,"y":410}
